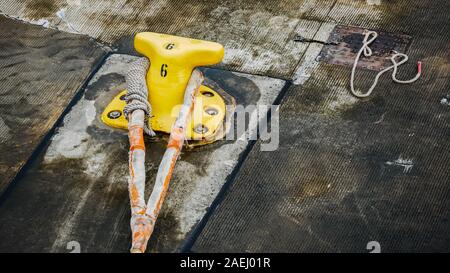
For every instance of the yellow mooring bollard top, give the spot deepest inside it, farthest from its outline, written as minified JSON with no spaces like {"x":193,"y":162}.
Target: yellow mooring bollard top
{"x":172,"y":60}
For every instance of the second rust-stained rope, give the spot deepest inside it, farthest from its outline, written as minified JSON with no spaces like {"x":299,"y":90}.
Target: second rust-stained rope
{"x":143,"y":216}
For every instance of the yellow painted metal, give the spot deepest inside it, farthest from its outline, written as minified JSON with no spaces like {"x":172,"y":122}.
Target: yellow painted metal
{"x":206,"y":120}
{"x":116,"y":107}
{"x":172,"y":60}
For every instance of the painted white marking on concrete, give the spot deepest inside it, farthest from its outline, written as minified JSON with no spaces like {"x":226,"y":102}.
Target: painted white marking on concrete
{"x":406,"y":163}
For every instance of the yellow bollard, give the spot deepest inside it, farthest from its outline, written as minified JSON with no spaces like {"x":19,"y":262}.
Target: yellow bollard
{"x":172,"y":60}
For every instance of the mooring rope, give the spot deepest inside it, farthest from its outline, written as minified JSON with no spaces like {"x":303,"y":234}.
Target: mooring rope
{"x":138,"y":110}
{"x":369,"y":38}
{"x":137,"y":94}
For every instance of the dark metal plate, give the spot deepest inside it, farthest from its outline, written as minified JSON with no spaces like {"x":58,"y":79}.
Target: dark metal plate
{"x":345,"y":42}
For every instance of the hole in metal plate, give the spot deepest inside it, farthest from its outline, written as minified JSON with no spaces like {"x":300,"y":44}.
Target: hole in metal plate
{"x":207,"y":94}
{"x":114,"y":114}
{"x":211,"y":111}
{"x":200,"y":129}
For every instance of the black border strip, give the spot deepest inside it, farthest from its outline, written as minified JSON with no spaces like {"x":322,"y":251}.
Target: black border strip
{"x":197,"y":230}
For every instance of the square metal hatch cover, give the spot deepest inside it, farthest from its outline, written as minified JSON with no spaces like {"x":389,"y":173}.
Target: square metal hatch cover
{"x":345,"y":42}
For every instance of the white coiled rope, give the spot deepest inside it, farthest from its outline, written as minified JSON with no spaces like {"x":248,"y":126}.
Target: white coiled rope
{"x":137,"y":94}
{"x":368,"y":39}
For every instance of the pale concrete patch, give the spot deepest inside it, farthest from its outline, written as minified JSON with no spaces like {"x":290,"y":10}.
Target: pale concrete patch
{"x":70,"y":139}
{"x":310,"y":59}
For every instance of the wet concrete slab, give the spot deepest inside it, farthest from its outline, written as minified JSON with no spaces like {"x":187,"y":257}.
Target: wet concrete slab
{"x":257,"y":35}
{"x":40,"y":72}
{"x":76,"y":190}
{"x":350,"y":172}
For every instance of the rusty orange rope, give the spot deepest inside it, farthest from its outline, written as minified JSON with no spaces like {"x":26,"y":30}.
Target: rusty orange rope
{"x":144,"y":215}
